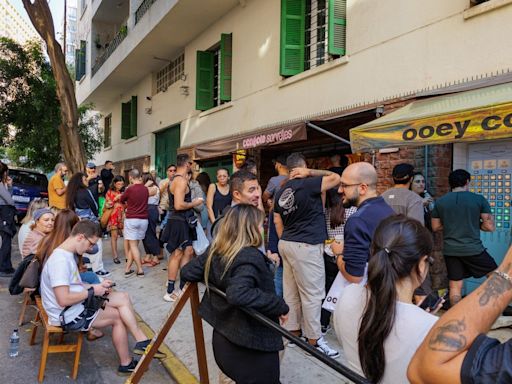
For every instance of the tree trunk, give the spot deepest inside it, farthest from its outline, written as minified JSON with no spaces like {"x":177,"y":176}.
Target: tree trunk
{"x":71,"y":144}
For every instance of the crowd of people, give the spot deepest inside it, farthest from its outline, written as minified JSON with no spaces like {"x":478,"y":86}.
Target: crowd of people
{"x":309,"y":235}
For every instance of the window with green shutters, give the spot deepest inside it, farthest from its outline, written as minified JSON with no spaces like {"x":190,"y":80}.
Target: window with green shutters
{"x":129,"y":119}
{"x":312,"y":33}
{"x":80,"y":60}
{"x":213,"y":74}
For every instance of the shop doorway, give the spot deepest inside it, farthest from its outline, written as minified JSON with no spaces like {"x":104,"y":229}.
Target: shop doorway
{"x":167,"y":143}
{"x":210,"y":167}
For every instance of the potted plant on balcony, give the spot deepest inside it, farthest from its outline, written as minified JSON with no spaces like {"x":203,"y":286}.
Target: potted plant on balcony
{"x":97,"y":41}
{"x":123,"y":31}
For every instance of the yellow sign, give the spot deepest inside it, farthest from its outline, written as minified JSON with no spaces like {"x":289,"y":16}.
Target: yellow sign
{"x":484,"y":123}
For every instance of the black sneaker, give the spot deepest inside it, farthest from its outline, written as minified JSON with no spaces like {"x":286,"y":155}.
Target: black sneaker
{"x":125,"y":370}
{"x":140,"y":349}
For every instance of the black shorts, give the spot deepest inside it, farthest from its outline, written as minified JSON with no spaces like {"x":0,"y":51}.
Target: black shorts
{"x":178,"y":234}
{"x":462,"y":267}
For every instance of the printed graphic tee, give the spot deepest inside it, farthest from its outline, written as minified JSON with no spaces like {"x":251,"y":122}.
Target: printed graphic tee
{"x":299,"y":203}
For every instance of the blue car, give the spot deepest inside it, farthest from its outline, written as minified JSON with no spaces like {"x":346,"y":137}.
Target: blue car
{"x":27,"y":184}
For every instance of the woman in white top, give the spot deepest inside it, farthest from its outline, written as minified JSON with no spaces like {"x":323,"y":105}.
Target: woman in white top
{"x":378,"y":325}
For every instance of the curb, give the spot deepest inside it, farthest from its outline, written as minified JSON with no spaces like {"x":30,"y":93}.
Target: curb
{"x":174,"y":366}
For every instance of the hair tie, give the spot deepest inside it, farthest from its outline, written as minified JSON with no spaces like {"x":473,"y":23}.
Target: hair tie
{"x":387,"y":251}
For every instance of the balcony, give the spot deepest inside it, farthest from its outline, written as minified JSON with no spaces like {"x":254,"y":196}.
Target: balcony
{"x":143,"y":8}
{"x":109,"y":49}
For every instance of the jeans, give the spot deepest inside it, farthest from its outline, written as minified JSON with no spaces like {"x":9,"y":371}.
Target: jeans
{"x":89,"y":277}
{"x":278,"y":280}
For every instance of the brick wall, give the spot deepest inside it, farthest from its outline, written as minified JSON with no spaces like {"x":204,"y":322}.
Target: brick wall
{"x":439,"y":161}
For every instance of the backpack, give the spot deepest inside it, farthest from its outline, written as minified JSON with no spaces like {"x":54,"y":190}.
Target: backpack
{"x":14,"y":285}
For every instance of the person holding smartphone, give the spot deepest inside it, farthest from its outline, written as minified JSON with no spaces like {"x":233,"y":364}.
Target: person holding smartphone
{"x":378,"y":325}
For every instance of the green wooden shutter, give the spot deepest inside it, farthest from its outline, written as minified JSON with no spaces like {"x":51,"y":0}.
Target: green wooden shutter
{"x":125,"y":120}
{"x":337,"y":27}
{"x":293,"y":18}
{"x":204,"y":80}
{"x":77,"y":64}
{"x":226,"y":54}
{"x":83,"y":46}
{"x":133,"y":117}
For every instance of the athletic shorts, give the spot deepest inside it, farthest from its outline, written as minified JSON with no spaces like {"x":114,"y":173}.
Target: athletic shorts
{"x":135,"y":229}
{"x":462,"y":267}
{"x":83,"y":321}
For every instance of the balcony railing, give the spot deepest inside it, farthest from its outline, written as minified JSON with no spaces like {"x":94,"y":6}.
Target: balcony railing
{"x":143,"y":8}
{"x":112,"y":46}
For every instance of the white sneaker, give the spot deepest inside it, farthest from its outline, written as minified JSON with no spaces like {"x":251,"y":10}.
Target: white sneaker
{"x":172,"y":297}
{"x":323,"y":347}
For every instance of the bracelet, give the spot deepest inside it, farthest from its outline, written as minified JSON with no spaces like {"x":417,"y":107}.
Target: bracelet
{"x":503,"y":275}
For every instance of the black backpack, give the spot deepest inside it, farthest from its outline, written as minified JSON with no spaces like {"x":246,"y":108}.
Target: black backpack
{"x":14,"y":285}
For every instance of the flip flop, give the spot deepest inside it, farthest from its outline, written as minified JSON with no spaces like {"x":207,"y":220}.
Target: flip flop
{"x":117,"y":261}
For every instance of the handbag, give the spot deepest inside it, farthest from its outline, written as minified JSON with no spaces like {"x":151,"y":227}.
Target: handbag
{"x":30,"y":278}
{"x":201,"y":244}
{"x":337,"y":288}
{"x":105,"y":217}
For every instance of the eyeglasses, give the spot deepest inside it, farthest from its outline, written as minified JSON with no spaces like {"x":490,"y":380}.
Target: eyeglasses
{"x":91,"y":244}
{"x":344,"y":186}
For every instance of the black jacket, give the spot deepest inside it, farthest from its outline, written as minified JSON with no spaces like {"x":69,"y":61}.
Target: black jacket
{"x":248,"y":283}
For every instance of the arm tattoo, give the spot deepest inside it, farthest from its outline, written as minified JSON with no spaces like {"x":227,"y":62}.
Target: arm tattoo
{"x":493,"y":288}
{"x":449,"y":337}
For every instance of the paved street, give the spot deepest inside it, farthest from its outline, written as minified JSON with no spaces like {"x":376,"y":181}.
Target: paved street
{"x":98,"y":361}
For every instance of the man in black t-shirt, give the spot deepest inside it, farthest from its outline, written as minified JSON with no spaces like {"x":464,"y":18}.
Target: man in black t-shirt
{"x":107,"y":174}
{"x":300,"y":224}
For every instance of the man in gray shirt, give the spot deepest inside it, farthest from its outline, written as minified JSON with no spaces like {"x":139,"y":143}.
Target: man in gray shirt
{"x":401,"y":198}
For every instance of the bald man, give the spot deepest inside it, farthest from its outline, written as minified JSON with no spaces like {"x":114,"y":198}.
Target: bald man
{"x":359,"y":189}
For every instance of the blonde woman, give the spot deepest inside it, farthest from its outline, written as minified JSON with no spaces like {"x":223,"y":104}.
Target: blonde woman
{"x":236,"y":266}
{"x":44,"y":219}
{"x":28,"y":220}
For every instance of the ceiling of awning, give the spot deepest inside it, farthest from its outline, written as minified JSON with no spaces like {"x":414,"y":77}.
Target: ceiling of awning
{"x":480,"y":114}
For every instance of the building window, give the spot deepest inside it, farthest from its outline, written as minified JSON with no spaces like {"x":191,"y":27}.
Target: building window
{"x":312,"y":32}
{"x":214,"y":68}
{"x":107,"y":132}
{"x":80,"y":60}
{"x":170,"y":74}
{"x":83,"y":5}
{"x":129,"y":119}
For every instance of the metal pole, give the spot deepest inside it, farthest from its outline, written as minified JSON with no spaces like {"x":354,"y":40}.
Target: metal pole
{"x":325,"y":132}
{"x":345,"y":371}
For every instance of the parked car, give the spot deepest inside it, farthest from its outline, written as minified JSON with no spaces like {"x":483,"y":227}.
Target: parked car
{"x":27,"y":184}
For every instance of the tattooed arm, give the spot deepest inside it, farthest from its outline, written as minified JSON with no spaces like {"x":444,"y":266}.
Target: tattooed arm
{"x":439,"y":358}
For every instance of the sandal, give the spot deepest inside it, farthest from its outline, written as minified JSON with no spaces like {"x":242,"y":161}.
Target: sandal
{"x":145,"y":262}
{"x":117,"y":261}
{"x":129,"y":273}
{"x":94,"y":334}
{"x":140,"y":274}
{"x":154,"y":263}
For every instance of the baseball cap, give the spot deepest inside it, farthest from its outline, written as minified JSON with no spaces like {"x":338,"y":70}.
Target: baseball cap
{"x":90,"y":164}
{"x":403,"y":171}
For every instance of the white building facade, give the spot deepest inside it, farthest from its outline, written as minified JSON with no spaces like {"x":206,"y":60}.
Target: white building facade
{"x":13,"y":25}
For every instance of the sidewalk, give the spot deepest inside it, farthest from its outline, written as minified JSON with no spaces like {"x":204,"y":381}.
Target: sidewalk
{"x":147,"y":293}
{"x":98,"y":360}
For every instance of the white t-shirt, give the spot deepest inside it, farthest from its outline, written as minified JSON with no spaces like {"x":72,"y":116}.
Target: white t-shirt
{"x":411,"y":326}
{"x":60,"y":269}
{"x":23,"y":232}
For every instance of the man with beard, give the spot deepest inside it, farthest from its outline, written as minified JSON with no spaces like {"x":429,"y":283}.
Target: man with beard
{"x":359,"y":189}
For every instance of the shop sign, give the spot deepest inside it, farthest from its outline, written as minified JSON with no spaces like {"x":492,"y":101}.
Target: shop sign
{"x":484,"y":123}
{"x":282,"y":136}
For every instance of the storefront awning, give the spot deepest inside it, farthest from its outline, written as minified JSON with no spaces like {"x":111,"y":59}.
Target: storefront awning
{"x":263,"y":138}
{"x":480,"y":114}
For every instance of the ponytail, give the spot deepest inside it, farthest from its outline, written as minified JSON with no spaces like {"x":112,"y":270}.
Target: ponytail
{"x":399,"y":244}
{"x":378,"y":317}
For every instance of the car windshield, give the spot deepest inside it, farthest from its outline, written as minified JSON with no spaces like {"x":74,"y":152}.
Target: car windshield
{"x":28,"y":178}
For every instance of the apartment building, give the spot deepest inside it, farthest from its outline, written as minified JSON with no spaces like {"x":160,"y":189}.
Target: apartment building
{"x":13,"y":25}
{"x":69,"y":22}
{"x":229,"y":79}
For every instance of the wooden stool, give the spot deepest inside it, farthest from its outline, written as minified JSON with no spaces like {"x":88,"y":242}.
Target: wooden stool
{"x":27,"y":301}
{"x":42,"y":319}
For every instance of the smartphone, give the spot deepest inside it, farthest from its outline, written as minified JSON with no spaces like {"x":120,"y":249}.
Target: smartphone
{"x":432,"y":302}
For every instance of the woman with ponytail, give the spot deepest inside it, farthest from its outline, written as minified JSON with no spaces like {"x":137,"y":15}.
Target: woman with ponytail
{"x":378,"y":325}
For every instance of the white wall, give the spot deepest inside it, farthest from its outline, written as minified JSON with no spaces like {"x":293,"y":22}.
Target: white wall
{"x":394,"y":47}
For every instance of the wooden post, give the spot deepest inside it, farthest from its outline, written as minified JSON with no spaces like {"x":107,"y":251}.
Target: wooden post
{"x":199,"y":336}
{"x":189,"y":291}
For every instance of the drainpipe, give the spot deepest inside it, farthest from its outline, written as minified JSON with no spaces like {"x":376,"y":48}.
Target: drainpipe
{"x":425,"y":168}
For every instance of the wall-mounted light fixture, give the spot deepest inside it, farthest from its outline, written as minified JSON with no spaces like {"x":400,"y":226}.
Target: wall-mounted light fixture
{"x":148,"y":98}
{"x":148,"y":111}
{"x":379,"y":111}
{"x":184,"y":90}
